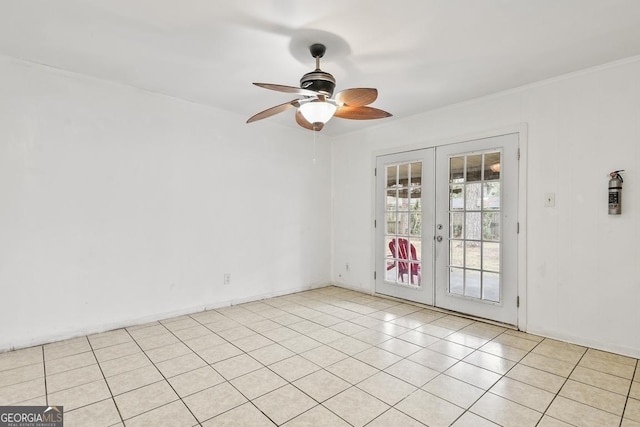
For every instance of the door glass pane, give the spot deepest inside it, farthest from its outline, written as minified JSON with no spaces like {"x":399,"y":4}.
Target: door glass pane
{"x":474,"y":168}
{"x":491,"y":166}
{"x":456,"y":169}
{"x":403,"y":175}
{"x":456,"y":223}
{"x":456,"y":281}
{"x":414,"y":255}
{"x":472,"y":255}
{"x":391,"y":272}
{"x":403,"y":278}
{"x":456,"y":197}
{"x":416,"y":174}
{"x":474,"y":197}
{"x":392,"y":176}
{"x":491,"y":256}
{"x":491,"y":286}
{"x":415,"y":194}
{"x":457,"y":253}
{"x":391,"y":223}
{"x":403,"y":233}
{"x":491,"y":226}
{"x":491,"y":195}
{"x":415,"y":224}
{"x":403,"y":199}
{"x":403,"y":224}
{"x":389,"y":245}
{"x":392,"y":199}
{"x":472,"y":284}
{"x":475,"y":225}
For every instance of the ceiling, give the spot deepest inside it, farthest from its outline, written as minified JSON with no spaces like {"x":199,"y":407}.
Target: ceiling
{"x":420,"y":54}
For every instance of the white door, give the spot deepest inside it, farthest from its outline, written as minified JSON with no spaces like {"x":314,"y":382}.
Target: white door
{"x":466,"y":256}
{"x":477,"y":226}
{"x":404,"y":225}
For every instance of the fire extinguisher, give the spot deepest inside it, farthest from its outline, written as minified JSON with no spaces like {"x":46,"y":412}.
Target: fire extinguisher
{"x":615,"y":193}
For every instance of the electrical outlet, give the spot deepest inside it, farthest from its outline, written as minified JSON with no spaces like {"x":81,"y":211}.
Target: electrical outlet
{"x":227,"y":278}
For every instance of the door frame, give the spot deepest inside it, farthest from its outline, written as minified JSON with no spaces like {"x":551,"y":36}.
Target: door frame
{"x":522,"y":130}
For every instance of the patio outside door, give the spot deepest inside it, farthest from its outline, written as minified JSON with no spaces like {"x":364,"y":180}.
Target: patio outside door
{"x":446,"y":232}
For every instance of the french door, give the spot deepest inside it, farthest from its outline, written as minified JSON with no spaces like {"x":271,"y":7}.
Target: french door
{"x":405,"y":252}
{"x":446,"y":227}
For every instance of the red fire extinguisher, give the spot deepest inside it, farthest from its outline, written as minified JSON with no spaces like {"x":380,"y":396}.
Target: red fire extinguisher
{"x":615,"y":193}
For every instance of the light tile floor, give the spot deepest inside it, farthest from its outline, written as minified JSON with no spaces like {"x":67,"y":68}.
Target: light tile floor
{"x":326,"y":357}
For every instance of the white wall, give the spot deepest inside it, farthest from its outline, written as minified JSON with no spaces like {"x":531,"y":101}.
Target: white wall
{"x":119,"y":206}
{"x":583,"y":266}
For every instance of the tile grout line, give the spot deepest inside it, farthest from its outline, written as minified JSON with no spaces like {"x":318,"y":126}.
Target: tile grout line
{"x":459,"y":359}
{"x":626,"y":402}
{"x":443,"y":373}
{"x":209,"y":365}
{"x":531,"y":385}
{"x":105,"y":381}
{"x":555,"y":396}
{"x":378,"y":369}
{"x":294,"y":355}
{"x":465,"y":410}
{"x":263,"y":365}
{"x":271,"y":370}
{"x":163,"y":376}
{"x":297,"y":304}
{"x":376,"y":346}
{"x":44,"y":371}
{"x":485,"y":391}
{"x":594,"y":386}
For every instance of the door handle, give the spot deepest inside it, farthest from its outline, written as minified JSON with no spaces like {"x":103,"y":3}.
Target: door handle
{"x":439,"y":238}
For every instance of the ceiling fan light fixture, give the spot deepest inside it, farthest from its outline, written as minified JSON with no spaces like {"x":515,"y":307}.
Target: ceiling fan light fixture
{"x":318,"y":111}
{"x":315,"y":107}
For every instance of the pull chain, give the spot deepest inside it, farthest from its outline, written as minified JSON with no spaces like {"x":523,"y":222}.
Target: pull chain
{"x":314,"y":146}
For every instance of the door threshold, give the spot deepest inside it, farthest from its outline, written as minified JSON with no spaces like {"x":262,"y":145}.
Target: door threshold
{"x":452,"y":312}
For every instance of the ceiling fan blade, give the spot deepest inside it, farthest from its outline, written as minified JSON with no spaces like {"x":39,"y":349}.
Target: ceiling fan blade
{"x":360,"y":113}
{"x":287,"y":89}
{"x":357,"y":97}
{"x":273,"y":110}
{"x":305,"y":123}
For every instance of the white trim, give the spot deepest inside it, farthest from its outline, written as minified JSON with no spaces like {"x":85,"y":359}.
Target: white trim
{"x":523,"y":136}
{"x":456,"y":139}
{"x":353,"y":288}
{"x":332,"y":211}
{"x":595,"y":343}
{"x":374,"y":199}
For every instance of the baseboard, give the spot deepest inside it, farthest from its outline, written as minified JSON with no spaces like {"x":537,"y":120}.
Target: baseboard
{"x":105,"y":327}
{"x":352,"y":288}
{"x":587,"y":342}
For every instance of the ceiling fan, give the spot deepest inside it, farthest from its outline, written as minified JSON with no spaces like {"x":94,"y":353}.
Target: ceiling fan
{"x":316,"y":107}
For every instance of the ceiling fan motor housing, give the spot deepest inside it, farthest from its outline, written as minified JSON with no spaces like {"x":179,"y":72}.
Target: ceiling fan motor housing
{"x":318,"y":81}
